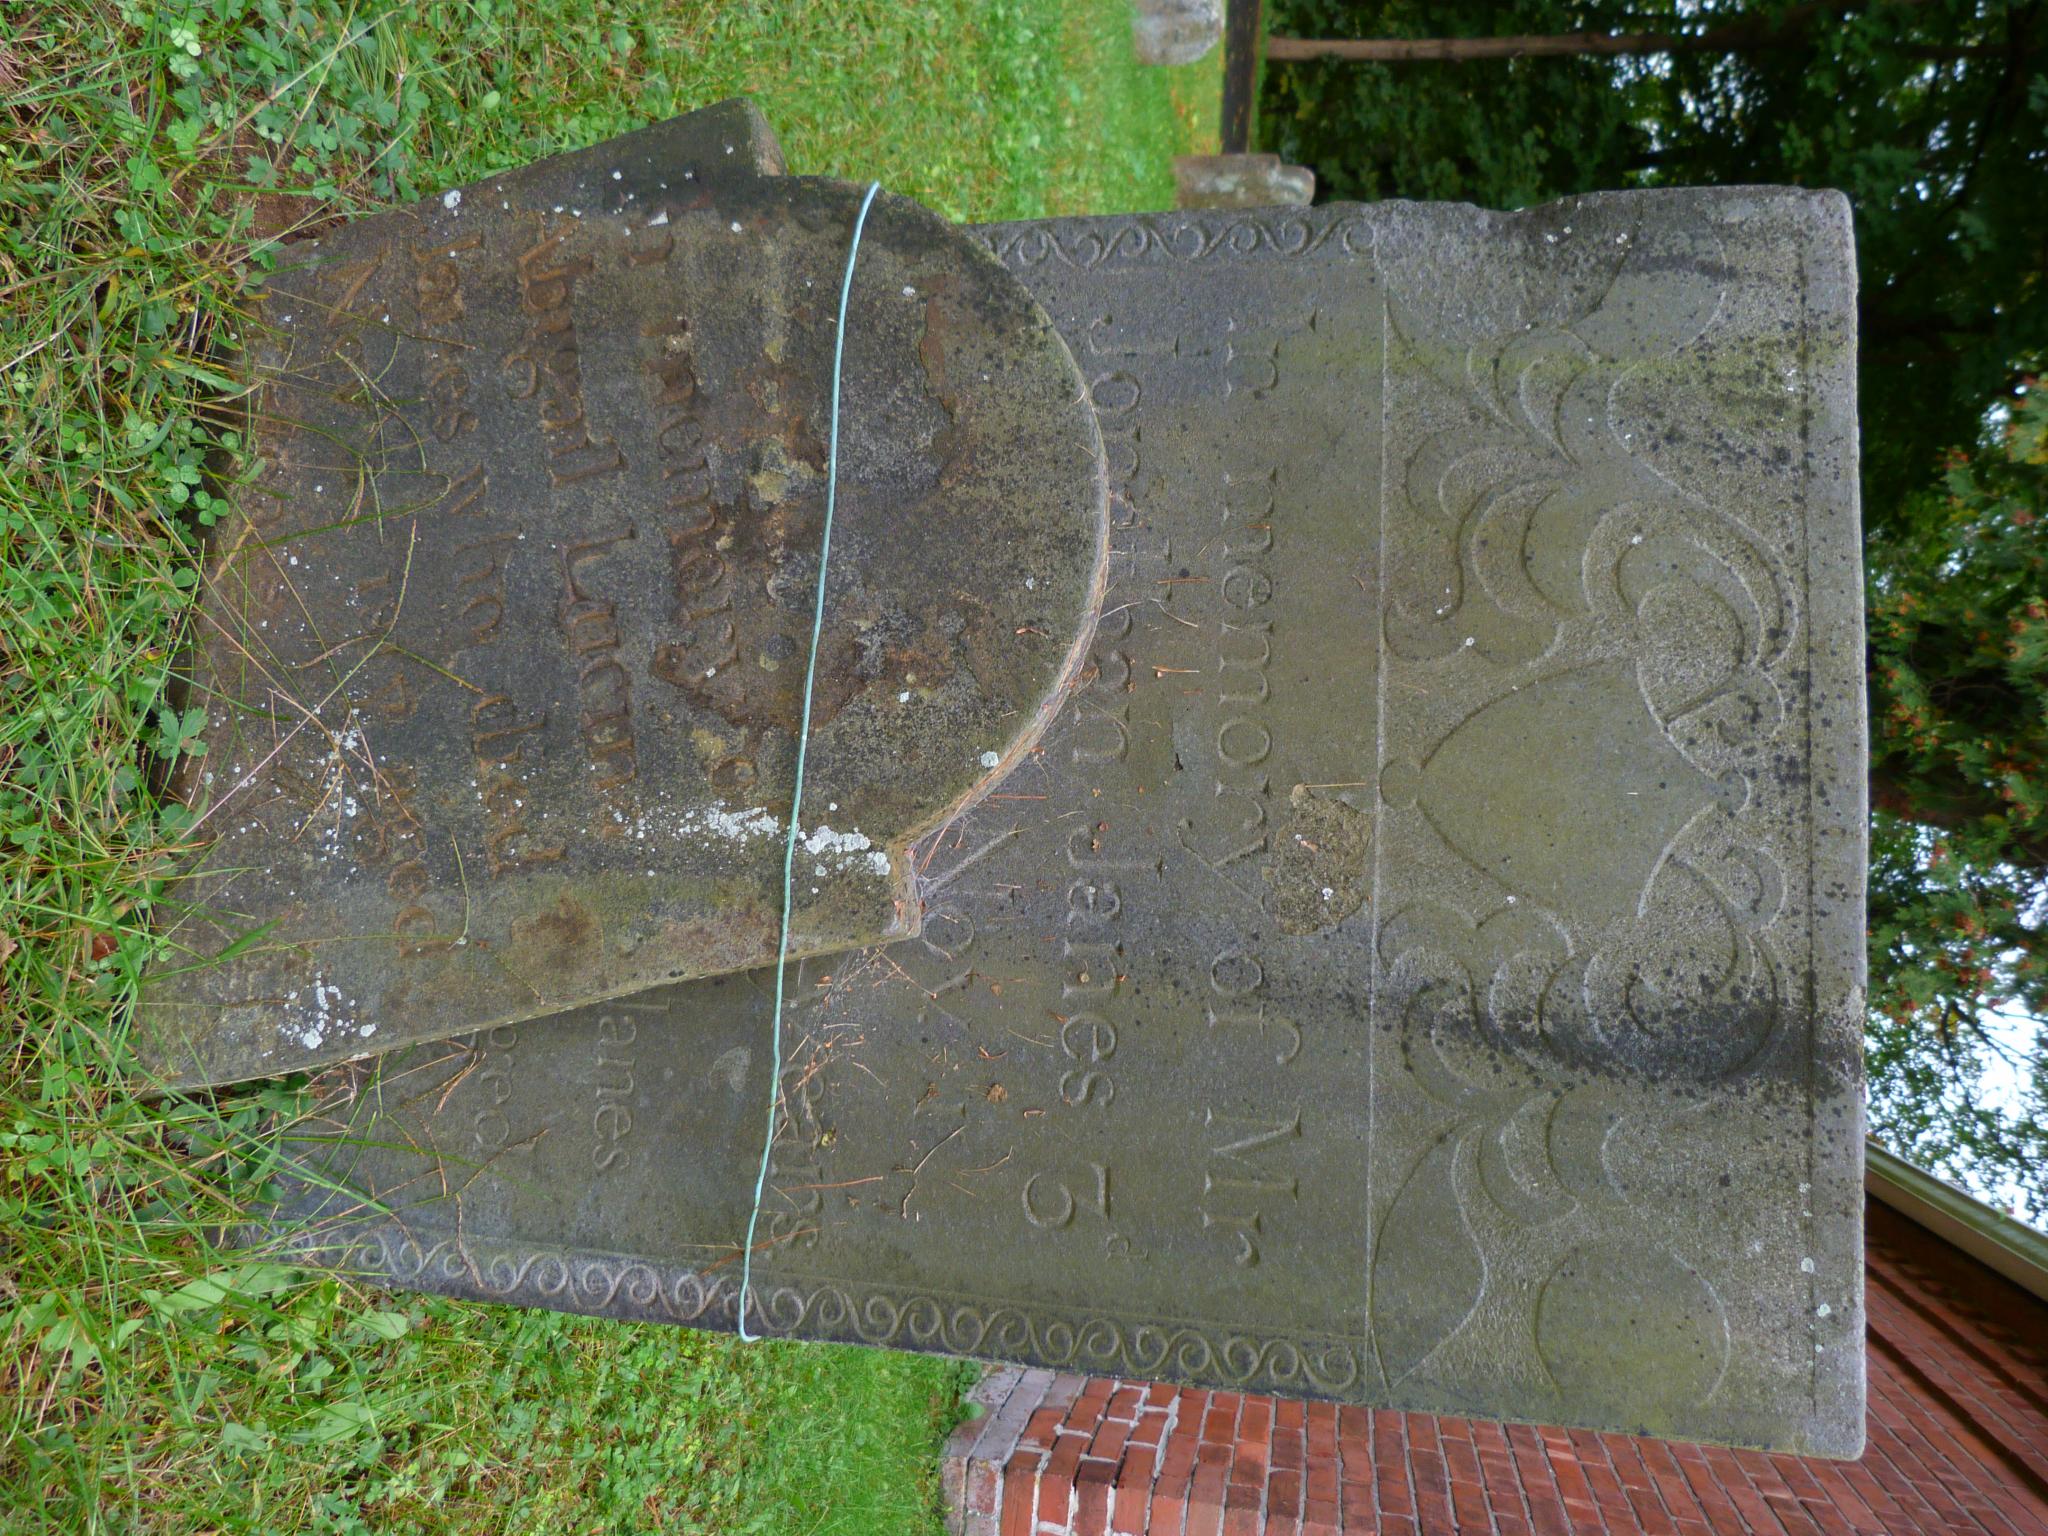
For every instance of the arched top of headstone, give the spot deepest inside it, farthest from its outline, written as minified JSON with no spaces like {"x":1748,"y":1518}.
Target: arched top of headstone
{"x":504,"y":656}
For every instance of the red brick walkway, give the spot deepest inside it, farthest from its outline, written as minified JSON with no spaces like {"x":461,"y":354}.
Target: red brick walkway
{"x":1958,"y":1444}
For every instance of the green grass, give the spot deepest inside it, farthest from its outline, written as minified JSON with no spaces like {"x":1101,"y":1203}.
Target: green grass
{"x":149,"y":152}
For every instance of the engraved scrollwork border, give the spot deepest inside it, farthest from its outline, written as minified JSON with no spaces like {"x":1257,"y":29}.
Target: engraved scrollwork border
{"x":617,"y":1285}
{"x":1086,"y":244}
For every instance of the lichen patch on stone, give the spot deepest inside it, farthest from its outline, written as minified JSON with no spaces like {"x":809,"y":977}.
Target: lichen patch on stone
{"x":1320,"y":870}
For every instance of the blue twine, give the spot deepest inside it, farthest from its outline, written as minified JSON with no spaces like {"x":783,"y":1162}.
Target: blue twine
{"x":803,"y":743}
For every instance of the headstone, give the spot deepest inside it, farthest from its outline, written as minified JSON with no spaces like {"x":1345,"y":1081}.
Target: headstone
{"x":1175,"y":31}
{"x":1241,"y":181}
{"x":1421,"y":964}
{"x":504,"y":658}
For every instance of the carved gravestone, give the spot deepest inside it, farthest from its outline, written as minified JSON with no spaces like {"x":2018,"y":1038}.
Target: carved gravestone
{"x":1175,"y":31}
{"x":1241,"y":181}
{"x":504,"y":658}
{"x":1419,"y":964}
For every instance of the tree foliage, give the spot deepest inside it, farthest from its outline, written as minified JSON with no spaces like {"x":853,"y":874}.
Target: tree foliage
{"x":1932,"y":115}
{"x":1959,"y":787}
{"x":1500,"y":134}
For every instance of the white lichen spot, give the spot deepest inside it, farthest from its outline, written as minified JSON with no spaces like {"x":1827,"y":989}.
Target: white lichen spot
{"x":451,"y":200}
{"x":617,"y":174}
{"x":658,"y":220}
{"x":825,"y":840}
{"x":989,"y":759}
{"x":1806,"y":1266}
{"x":734,"y":826}
{"x":903,"y":697}
{"x":1822,"y":1310}
{"x":325,"y":1017}
{"x":735,"y":226}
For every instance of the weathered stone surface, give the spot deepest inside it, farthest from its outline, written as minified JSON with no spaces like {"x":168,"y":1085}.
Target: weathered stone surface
{"x":1241,"y":181}
{"x":504,"y":662}
{"x":1175,"y":31}
{"x":1420,"y":966}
